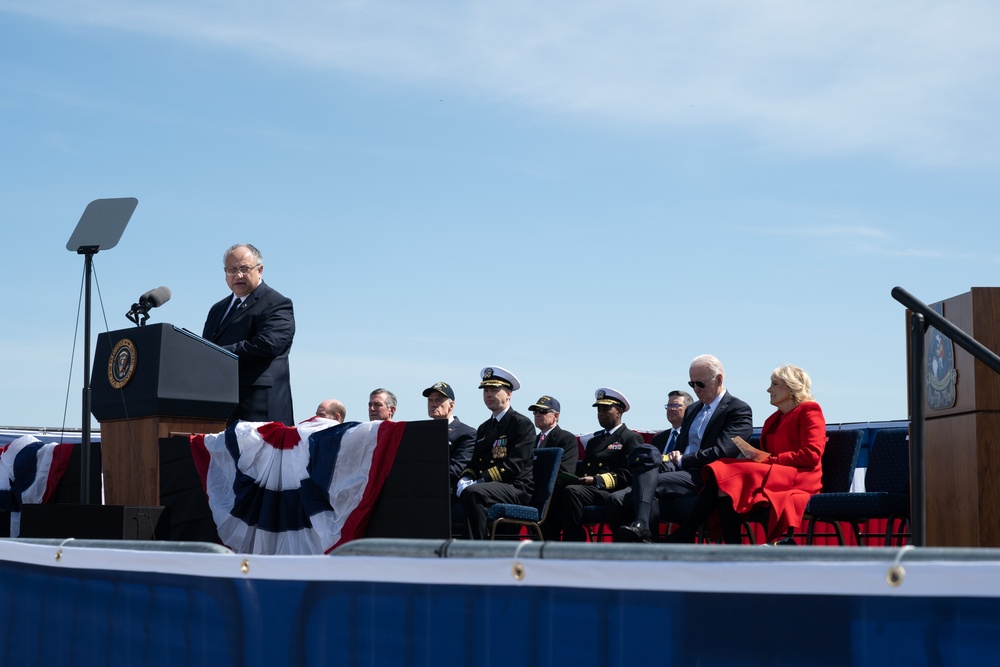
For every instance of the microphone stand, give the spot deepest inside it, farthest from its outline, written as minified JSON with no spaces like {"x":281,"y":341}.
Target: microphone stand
{"x":139,"y":313}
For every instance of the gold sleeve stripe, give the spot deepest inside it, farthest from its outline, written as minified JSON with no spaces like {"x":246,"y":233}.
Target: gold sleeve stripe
{"x":608,"y":480}
{"x":494,"y":473}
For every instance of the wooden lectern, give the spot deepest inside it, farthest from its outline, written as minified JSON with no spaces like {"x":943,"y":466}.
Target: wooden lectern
{"x":962,"y":427}
{"x":152,"y":382}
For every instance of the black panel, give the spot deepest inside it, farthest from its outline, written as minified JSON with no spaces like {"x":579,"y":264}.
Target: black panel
{"x":95,"y":522}
{"x":176,"y":373}
{"x":415,"y":501}
{"x":181,"y":491}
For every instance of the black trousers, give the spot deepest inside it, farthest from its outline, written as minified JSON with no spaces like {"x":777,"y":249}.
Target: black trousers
{"x":572,"y":501}
{"x":477,"y":499}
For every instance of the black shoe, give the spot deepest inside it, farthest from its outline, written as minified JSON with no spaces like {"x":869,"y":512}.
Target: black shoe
{"x":784,"y":542}
{"x":636,"y":532}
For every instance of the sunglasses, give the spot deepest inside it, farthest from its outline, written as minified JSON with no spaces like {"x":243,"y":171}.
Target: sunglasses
{"x":541,"y":411}
{"x":697,"y":383}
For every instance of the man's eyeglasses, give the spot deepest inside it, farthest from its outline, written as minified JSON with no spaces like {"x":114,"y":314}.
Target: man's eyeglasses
{"x":673,"y":406}
{"x":697,"y":383}
{"x":542,"y":412}
{"x":237,"y":270}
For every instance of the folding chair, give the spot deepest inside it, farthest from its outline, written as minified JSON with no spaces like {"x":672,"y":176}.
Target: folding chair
{"x":545,"y":469}
{"x":886,"y":495}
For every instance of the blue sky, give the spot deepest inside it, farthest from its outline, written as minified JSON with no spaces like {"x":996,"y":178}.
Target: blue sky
{"x":587,"y":193}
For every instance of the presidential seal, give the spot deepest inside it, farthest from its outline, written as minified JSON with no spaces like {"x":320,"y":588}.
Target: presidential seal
{"x":121,"y":365}
{"x":942,"y":376}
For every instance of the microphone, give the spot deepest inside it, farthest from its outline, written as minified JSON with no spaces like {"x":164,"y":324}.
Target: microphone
{"x":155,"y":298}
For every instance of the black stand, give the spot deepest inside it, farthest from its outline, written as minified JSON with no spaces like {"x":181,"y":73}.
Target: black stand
{"x":100,"y":228}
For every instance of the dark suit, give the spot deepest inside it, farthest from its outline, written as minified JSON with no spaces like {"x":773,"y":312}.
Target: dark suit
{"x":461,"y":443}
{"x":606,"y":459}
{"x":661,"y":439}
{"x":558,"y":437}
{"x":662,"y":480}
{"x":501,"y":465}
{"x":260,"y":334}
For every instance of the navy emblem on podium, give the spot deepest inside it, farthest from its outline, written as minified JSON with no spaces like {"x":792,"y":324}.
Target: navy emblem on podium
{"x":941,"y":373}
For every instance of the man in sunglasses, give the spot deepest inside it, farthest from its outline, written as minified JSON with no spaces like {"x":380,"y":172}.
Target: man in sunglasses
{"x":546,"y":412}
{"x":707,"y":434}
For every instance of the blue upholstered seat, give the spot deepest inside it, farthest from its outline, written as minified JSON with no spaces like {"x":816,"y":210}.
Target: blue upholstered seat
{"x":886,"y":495}
{"x":545,"y":469}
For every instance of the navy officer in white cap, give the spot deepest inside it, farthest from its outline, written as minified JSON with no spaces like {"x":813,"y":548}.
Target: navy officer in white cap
{"x":604,"y":468}
{"x":500,"y":470}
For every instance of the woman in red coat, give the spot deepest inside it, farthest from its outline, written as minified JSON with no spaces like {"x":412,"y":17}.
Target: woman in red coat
{"x":782,"y":475}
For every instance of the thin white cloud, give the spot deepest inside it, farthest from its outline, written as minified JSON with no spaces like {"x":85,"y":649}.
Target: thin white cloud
{"x":914,"y":80}
{"x":872,"y":241}
{"x":828,"y":231}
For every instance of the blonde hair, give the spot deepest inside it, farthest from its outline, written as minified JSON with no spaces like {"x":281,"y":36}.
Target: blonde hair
{"x":797,"y":381}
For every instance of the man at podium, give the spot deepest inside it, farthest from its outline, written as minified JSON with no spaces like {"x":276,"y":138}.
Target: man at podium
{"x":256,"y":323}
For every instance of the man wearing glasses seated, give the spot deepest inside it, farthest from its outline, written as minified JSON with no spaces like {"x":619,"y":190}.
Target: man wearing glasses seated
{"x":257,"y":324}
{"x":546,"y":412}
{"x":707,"y":434}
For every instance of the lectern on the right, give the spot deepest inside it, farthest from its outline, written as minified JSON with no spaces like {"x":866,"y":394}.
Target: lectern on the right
{"x":962,"y":427}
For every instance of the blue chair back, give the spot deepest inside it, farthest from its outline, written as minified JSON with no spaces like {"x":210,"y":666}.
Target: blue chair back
{"x":840,"y":460}
{"x":545,"y":470}
{"x":889,"y":462}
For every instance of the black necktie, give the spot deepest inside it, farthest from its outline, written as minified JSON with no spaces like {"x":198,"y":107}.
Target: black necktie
{"x":233,"y":309}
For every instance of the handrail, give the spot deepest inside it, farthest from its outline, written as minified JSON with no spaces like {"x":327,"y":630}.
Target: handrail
{"x":920,"y":315}
{"x":964,"y":340}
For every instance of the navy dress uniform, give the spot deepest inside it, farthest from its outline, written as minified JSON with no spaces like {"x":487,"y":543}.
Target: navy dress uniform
{"x":606,"y":460}
{"x":500,"y":469}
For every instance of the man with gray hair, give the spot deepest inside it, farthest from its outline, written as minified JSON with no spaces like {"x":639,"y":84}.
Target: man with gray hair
{"x":257,"y":324}
{"x":381,"y":405}
{"x":707,"y":434}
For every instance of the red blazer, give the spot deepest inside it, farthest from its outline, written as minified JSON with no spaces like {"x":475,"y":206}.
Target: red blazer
{"x":793,"y":473}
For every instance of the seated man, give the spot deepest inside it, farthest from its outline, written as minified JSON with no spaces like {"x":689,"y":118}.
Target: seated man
{"x":604,"y":467}
{"x":619,"y":505}
{"x":500,"y":470}
{"x":461,"y":437}
{"x":706,"y":435}
{"x":677,"y":404}
{"x":546,"y":411}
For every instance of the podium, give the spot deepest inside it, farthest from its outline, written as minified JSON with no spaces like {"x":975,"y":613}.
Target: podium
{"x":155,"y":382}
{"x":962,"y":427}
